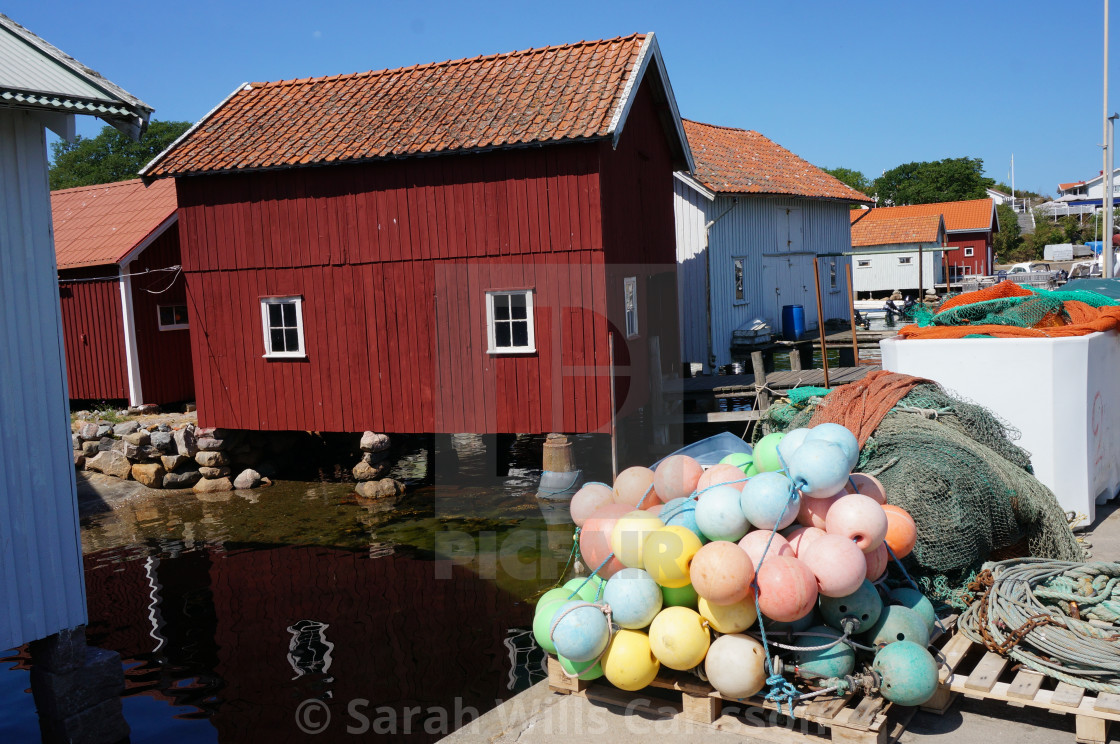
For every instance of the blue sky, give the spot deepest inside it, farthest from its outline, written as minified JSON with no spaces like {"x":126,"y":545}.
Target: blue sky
{"x":865,"y":85}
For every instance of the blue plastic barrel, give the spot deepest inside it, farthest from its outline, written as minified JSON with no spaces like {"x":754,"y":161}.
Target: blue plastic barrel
{"x":793,"y":322}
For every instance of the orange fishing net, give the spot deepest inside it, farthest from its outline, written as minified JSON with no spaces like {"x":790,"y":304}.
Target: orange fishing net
{"x":860,"y":406}
{"x":1073,"y":318}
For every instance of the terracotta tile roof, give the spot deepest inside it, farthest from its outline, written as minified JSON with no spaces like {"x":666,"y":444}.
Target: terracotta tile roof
{"x":551,"y":94}
{"x":1070,"y":185}
{"x":741,"y":161}
{"x":974,"y":215}
{"x":101,"y":224}
{"x":915,"y":229}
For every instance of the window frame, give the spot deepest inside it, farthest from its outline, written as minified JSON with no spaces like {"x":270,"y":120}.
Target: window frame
{"x":266,"y":327}
{"x":739,"y":263}
{"x":969,"y":252}
{"x":905,"y":260}
{"x":172,"y":326}
{"x":531,"y":340}
{"x":863,"y":263}
{"x":628,"y":313}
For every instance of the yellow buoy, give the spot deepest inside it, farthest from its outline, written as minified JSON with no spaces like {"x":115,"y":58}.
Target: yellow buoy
{"x":679,"y":637}
{"x":667,"y":555}
{"x":628,"y":662}
{"x":629,"y":535}
{"x":732,"y":618}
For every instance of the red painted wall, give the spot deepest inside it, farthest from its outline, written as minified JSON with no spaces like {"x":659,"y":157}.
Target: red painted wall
{"x":393,"y":260}
{"x":93,"y":334}
{"x":164,"y":357}
{"x":980,"y":242}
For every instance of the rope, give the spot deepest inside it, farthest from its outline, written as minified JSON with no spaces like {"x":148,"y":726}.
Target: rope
{"x":1025,"y":594}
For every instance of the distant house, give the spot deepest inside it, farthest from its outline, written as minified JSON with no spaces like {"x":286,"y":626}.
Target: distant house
{"x":442,"y":248}
{"x":970,"y":225}
{"x":1089,"y":192}
{"x":41,"y":88}
{"x":905,"y":253}
{"x":1000,"y":197}
{"x":750,"y":219}
{"x":124,"y":301}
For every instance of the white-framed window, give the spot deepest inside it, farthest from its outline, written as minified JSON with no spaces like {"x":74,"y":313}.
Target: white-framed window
{"x":282,"y":322}
{"x":968,"y":251}
{"x":509,"y":322}
{"x":738,"y":268}
{"x":630,"y":305}
{"x":904,"y":259}
{"x":172,"y":317}
{"x":966,"y":271}
{"x":863,"y":263}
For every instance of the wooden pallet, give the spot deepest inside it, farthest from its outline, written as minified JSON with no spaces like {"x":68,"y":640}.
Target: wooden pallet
{"x":968,"y":669}
{"x":850,"y":719}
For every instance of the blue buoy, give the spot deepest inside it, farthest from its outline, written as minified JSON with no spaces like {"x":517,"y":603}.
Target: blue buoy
{"x":908,"y":672}
{"x":836,"y":661}
{"x":580,"y":631}
{"x":916,"y":601}
{"x":767,"y":498}
{"x":720,"y":516}
{"x":839,"y":435}
{"x":634,"y":598}
{"x":864,"y":604}
{"x":682,"y":511}
{"x":819,"y":468}
{"x":898,"y":623}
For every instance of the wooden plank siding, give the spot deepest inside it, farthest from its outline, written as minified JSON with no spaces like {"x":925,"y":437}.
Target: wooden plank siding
{"x":979,"y":261}
{"x":93,"y":332}
{"x":164,"y":356}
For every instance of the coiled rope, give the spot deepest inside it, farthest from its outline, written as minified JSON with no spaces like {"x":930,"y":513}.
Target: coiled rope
{"x":1056,"y":617}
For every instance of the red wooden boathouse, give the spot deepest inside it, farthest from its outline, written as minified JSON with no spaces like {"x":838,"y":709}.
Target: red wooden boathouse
{"x":440,"y":248}
{"x":124,"y":316}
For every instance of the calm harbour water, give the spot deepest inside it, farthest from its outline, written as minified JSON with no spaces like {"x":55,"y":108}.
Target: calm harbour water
{"x":229,"y":614}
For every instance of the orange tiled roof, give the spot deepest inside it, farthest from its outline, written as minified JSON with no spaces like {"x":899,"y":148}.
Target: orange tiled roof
{"x":742,"y":161}
{"x":101,"y":224}
{"x":960,"y":216}
{"x":915,"y":229}
{"x":1070,"y":185}
{"x":568,"y":92}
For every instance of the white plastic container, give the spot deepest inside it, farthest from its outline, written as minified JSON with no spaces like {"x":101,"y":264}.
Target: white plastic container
{"x":1063,"y":394}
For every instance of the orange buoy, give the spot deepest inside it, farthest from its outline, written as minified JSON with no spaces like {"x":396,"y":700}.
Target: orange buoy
{"x":859,"y":518}
{"x":631,"y":486}
{"x":902,"y":532}
{"x":721,"y":572}
{"x":589,"y":498}
{"x":595,"y":538}
{"x":787,"y":589}
{"x":723,"y":474}
{"x":676,"y":477}
{"x":838,"y":564}
{"x":868,"y":485}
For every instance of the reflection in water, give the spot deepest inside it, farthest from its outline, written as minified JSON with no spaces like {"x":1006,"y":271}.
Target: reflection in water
{"x":229,"y":614}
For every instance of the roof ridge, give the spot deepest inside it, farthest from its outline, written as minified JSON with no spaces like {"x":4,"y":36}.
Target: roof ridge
{"x":444,"y":63}
{"x":111,"y":184}
{"x":722,"y":126}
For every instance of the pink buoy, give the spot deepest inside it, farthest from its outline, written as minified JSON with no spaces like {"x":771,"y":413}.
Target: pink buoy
{"x":802,"y":537}
{"x":858,"y":518}
{"x":722,"y":572}
{"x":720,"y":475}
{"x":813,"y":511}
{"x":632,"y":484}
{"x":676,"y":477}
{"x":589,"y":498}
{"x":868,"y":485}
{"x":755,"y":542}
{"x":595,"y":539}
{"x":877,"y":561}
{"x":837,"y":563}
{"x":655,"y":509}
{"x":787,"y":589}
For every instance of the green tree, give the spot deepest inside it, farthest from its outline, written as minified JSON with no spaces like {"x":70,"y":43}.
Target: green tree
{"x":951,"y":179}
{"x":853,"y":178}
{"x":110,"y":156}
{"x":1019,"y":193}
{"x":1007,"y":241}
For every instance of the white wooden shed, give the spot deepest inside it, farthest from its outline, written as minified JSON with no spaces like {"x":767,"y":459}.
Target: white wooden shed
{"x":750,"y":220}
{"x":40,"y":547}
{"x":887,"y":255}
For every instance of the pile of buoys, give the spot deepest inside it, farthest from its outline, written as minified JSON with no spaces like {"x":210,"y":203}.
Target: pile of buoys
{"x":786,"y":537}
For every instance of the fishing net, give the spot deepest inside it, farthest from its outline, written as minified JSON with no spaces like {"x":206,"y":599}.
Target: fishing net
{"x":955,"y":468}
{"x":1011,"y":310}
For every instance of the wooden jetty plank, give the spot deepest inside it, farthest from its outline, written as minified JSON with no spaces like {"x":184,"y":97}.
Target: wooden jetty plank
{"x":1067,"y":695}
{"x":952,"y":655}
{"x":865,"y":712}
{"x":984,"y":677}
{"x":1025,"y":685}
{"x":720,"y":417}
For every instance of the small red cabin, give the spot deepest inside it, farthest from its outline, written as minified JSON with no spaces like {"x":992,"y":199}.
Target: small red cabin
{"x":450,"y":247}
{"x":124,"y":313}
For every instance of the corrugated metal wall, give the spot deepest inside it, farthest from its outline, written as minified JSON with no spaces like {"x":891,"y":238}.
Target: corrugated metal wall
{"x":94,"y":334}
{"x":40,"y":549}
{"x":777,"y":247}
{"x":886,"y":273}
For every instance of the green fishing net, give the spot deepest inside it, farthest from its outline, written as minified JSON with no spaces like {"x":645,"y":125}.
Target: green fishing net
{"x":955,"y":468}
{"x":1024,"y":312}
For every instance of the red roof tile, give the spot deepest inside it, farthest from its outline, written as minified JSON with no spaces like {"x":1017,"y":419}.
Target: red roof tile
{"x":557,"y":93}
{"x":742,"y":161}
{"x":974,"y":215}
{"x":101,"y":224}
{"x":915,"y":229}
{"x":1070,"y":185}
